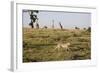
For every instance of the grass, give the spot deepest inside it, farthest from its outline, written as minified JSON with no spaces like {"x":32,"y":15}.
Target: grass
{"x":39,"y":44}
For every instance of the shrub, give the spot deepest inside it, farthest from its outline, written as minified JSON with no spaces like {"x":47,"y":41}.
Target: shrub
{"x":89,"y":29}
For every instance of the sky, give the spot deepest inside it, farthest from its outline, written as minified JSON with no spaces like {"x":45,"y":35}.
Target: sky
{"x":67,"y":19}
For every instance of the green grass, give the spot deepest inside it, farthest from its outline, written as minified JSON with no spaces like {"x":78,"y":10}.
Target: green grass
{"x":39,"y":45}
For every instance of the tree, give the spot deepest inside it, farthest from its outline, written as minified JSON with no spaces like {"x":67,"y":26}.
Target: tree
{"x":37,"y":24}
{"x":33,"y":17}
{"x":52,"y":24}
{"x":60,"y":25}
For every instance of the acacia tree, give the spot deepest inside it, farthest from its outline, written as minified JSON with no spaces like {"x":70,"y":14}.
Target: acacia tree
{"x":33,"y":17}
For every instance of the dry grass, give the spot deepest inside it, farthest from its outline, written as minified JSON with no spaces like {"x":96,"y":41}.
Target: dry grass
{"x":39,"y":44}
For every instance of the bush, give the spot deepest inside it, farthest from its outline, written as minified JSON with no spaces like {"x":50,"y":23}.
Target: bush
{"x":89,"y":29}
